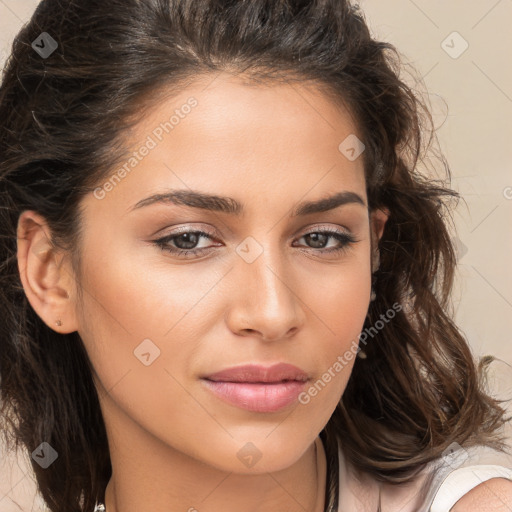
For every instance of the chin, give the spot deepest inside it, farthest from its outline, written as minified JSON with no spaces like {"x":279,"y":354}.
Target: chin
{"x":264,"y":454}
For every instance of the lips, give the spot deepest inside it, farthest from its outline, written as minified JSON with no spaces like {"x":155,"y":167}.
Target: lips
{"x":253,"y":373}
{"x":258,"y":388}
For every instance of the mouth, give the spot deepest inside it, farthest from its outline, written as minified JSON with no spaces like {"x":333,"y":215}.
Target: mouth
{"x":257,"y":388}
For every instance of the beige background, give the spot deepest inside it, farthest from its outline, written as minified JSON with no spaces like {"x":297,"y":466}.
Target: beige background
{"x":475,"y":132}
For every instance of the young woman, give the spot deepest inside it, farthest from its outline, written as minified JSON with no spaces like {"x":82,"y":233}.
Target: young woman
{"x":224,"y":282}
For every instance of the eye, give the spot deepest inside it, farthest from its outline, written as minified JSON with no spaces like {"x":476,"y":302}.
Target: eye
{"x":184,"y":244}
{"x":321,"y":238}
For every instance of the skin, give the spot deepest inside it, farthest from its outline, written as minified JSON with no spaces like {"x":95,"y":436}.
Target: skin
{"x":494,"y":495}
{"x":173,"y":444}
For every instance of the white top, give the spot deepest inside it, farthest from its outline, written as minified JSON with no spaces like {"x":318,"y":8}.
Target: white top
{"x":454,"y":475}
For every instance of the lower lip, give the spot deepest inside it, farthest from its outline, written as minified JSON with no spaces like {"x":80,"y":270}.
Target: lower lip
{"x":257,"y":397}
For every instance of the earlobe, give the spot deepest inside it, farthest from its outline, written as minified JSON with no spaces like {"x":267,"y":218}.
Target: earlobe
{"x":46,"y":281}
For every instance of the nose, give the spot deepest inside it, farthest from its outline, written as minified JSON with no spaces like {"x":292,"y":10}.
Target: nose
{"x":265,"y":303}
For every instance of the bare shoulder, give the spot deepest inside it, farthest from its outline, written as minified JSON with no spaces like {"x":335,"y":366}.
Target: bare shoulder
{"x":494,"y":495}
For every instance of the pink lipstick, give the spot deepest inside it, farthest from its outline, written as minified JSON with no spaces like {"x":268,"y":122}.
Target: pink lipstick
{"x":257,"y":388}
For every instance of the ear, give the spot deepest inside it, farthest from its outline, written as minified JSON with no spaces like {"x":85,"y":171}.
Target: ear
{"x":46,"y":274}
{"x":378,"y":219}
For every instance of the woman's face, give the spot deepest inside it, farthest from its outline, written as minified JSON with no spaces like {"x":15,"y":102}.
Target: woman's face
{"x":262,"y":288}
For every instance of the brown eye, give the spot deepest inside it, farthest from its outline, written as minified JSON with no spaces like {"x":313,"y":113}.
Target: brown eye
{"x":319,"y":240}
{"x":184,"y":243}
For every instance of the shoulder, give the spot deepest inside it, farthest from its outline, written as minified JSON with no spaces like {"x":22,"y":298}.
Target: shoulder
{"x":476,"y":479}
{"x":494,"y":495}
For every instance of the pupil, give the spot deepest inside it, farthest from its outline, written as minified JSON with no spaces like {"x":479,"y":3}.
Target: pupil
{"x":182,"y":238}
{"x":315,"y":238}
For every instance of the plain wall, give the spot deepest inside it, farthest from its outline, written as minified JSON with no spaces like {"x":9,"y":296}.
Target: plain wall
{"x":475,"y":132}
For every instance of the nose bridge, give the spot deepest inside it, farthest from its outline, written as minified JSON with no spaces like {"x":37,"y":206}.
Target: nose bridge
{"x":268,"y":278}
{"x":266,"y":301}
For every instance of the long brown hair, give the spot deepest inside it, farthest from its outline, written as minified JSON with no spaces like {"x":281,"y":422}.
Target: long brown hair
{"x":63,"y":119}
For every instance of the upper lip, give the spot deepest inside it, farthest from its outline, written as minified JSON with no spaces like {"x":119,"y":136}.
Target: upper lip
{"x":256,"y":373}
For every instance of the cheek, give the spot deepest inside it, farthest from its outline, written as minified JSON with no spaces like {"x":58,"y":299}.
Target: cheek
{"x":341,"y":300}
{"x":127,"y":310}
{"x":142,"y":323}
{"x":341,"y":306}
{"x":348,"y":302}
{"x":119,"y":308}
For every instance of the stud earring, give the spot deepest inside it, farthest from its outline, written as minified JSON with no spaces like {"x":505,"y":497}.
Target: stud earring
{"x":58,"y":323}
{"x":361,"y":354}
{"x":373,"y":295}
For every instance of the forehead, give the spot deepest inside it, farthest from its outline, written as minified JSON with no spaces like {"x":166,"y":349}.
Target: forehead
{"x":230,"y":102}
{"x":232,"y":137}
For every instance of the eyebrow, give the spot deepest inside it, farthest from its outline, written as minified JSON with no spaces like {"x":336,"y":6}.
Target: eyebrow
{"x":230,"y":206}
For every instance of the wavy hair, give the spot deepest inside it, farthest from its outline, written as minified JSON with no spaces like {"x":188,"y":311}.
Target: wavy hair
{"x":64,"y":118}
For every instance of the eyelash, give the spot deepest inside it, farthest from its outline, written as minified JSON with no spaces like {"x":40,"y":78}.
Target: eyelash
{"x":346,"y":239}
